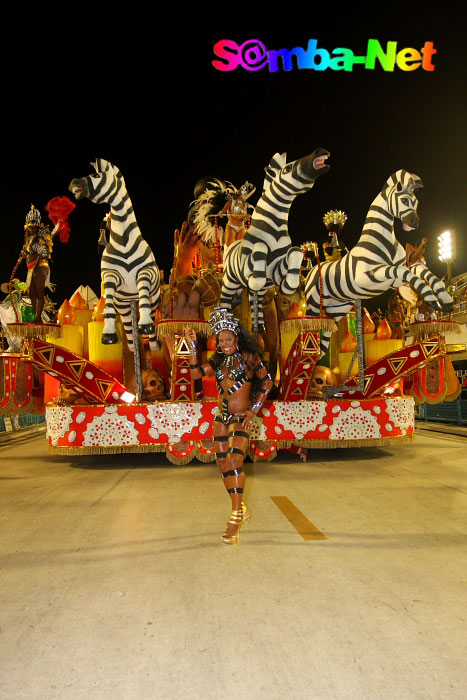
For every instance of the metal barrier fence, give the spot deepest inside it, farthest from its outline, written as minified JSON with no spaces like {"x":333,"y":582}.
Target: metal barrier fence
{"x":449,"y":412}
{"x":16,"y":422}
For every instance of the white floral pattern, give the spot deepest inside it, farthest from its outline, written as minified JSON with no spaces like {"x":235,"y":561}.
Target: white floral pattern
{"x":110,"y":429}
{"x":300,"y":416}
{"x":258,"y":431}
{"x":174,"y":419}
{"x":58,"y":422}
{"x":355,"y":423}
{"x":401,"y":412}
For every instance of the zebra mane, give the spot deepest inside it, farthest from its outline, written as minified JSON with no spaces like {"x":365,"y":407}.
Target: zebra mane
{"x":407,"y":181}
{"x":101,"y":166}
{"x":277,"y":162}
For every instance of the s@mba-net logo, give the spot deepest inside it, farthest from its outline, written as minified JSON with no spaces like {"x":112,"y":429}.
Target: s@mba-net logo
{"x":253,"y":55}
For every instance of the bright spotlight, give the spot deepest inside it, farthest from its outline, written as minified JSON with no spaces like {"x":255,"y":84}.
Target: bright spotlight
{"x":447,"y":246}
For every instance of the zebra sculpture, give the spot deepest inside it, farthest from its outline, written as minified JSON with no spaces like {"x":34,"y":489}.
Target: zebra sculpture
{"x":265,"y":256}
{"x":128,"y":267}
{"x":378,"y":261}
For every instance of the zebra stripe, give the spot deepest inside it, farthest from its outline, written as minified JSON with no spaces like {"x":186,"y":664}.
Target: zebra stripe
{"x":128,"y":267}
{"x":377,"y":262}
{"x":265,"y":256}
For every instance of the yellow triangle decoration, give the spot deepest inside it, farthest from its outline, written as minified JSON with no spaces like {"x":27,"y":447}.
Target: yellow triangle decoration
{"x":430,"y":347}
{"x":305,"y":373}
{"x":47,"y":355}
{"x":298,"y":391}
{"x":310,"y":344}
{"x":105,"y":386}
{"x":183,"y":348}
{"x":26,"y":348}
{"x":367,"y":379}
{"x":397,"y":364}
{"x":76,"y":367}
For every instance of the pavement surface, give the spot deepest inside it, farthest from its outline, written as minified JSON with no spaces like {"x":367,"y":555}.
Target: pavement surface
{"x":114,"y":582}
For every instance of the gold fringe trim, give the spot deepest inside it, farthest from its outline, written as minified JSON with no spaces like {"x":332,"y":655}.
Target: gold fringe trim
{"x":35,"y":330}
{"x":179,"y":461}
{"x":207,"y":459}
{"x":105,"y":450}
{"x":285,"y":444}
{"x":308,"y":323}
{"x":377,"y":442}
{"x":435,"y":327}
{"x":256,"y":458}
{"x":169,"y":328}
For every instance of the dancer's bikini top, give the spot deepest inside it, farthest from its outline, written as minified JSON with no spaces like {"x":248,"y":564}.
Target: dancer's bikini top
{"x":236,"y":374}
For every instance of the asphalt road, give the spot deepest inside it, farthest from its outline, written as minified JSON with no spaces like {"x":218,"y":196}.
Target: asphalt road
{"x":350,"y":582}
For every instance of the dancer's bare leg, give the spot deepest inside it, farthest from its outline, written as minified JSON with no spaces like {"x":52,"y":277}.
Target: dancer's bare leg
{"x":235,"y":481}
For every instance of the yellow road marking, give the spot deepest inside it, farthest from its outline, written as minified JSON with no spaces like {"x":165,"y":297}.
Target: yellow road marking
{"x":303,"y":526}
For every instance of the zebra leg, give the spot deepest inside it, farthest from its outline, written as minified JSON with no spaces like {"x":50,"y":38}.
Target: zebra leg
{"x":312,"y":287}
{"x":289,"y":270}
{"x":123,"y":308}
{"x":235,"y":274}
{"x":144,"y":281}
{"x":256,"y":305}
{"x":111,"y":281}
{"x":257,"y":279}
{"x":445,"y":299}
{"x":230,"y":288}
{"x":400,"y":274}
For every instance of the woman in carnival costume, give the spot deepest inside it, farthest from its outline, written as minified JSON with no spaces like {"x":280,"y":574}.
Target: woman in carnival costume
{"x":37,"y":249}
{"x":240,"y":372}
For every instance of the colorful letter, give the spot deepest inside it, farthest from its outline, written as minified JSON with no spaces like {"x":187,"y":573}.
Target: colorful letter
{"x":406,"y":55}
{"x":253,"y":54}
{"x":428,"y":52}
{"x":374,"y":51}
{"x":228,"y":50}
{"x":311,"y":52}
{"x":286,"y":56}
{"x":343,"y":62}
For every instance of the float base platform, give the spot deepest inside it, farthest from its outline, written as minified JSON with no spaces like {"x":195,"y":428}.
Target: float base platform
{"x":184,"y":430}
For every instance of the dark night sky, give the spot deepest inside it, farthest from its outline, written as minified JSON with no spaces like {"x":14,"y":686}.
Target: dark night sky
{"x":141,"y":92}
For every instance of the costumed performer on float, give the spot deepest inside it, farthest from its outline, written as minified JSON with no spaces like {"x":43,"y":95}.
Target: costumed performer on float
{"x":37,"y":248}
{"x":240,"y":373}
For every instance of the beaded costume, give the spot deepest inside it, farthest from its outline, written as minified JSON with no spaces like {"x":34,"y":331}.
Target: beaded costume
{"x":231,"y":362}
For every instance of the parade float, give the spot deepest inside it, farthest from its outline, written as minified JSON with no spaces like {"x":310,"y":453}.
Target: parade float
{"x":114,"y":375}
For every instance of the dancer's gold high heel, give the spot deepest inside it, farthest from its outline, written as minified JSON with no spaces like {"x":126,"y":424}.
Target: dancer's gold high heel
{"x":246,"y":513}
{"x":236,"y":518}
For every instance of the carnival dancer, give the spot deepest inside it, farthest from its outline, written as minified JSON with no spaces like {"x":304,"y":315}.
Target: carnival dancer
{"x":241,"y":374}
{"x":37,"y":249}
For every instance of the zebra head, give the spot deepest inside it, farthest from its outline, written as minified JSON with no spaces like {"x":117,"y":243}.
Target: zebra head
{"x":101,"y":186}
{"x":300,"y":174}
{"x":399,"y":192}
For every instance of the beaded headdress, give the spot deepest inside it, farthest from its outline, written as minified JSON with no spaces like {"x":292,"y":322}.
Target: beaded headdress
{"x":33,"y":217}
{"x":223,"y":320}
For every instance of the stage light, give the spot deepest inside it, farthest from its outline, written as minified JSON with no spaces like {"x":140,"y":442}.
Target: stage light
{"x":447,"y":250}
{"x":447,"y":246}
